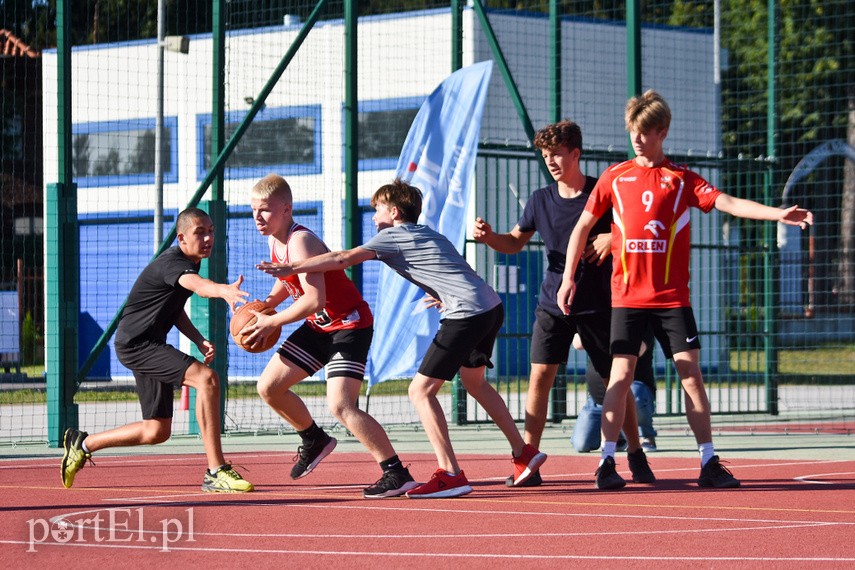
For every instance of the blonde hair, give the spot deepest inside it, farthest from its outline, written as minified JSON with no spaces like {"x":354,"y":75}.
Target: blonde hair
{"x":272,"y":185}
{"x":647,"y":112}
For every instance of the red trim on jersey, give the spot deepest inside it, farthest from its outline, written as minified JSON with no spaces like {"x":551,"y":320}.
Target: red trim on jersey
{"x":345,"y":308}
{"x":651,"y":236}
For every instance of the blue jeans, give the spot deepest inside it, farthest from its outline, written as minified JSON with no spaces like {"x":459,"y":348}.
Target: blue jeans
{"x":586,"y":432}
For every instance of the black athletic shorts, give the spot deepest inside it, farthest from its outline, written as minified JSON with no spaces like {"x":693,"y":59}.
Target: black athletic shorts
{"x":552,"y":336}
{"x":343,"y":352}
{"x":463,"y":343}
{"x":158,"y":369}
{"x":675,"y":329}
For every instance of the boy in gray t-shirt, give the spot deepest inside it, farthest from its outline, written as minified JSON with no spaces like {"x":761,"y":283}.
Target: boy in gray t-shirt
{"x":431,"y":262}
{"x":464,"y":343}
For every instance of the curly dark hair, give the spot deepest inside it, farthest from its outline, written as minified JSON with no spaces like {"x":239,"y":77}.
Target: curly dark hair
{"x":563,"y":133}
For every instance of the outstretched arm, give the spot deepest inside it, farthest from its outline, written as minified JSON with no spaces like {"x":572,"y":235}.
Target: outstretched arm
{"x":511,"y":242}
{"x":230,"y":292}
{"x":320,"y":263}
{"x":575,"y":247}
{"x":792,"y":216}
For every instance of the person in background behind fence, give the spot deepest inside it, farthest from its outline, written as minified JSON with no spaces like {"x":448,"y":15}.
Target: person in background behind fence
{"x":155,"y":305}
{"x":552,"y":211}
{"x":464,"y":343}
{"x":650,"y":198}
{"x":586,"y":430}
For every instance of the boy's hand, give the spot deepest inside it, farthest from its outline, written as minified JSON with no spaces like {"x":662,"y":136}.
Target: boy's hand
{"x":795,"y":216}
{"x":565,"y":295}
{"x":430,"y":303}
{"x":482,"y":231}
{"x":275,"y":269}
{"x":255,"y":333}
{"x":598,"y":249}
{"x":206,"y":347}
{"x":233,"y":295}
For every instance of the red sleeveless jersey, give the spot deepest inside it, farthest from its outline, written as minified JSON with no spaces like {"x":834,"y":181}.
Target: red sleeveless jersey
{"x":345,"y":308}
{"x":650,"y":231}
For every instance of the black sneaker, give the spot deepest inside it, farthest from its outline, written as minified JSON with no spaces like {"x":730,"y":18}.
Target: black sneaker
{"x":308,"y":456}
{"x":641,"y":472}
{"x":534,"y":481}
{"x":393,"y":483}
{"x":714,"y":474}
{"x":607,"y":477}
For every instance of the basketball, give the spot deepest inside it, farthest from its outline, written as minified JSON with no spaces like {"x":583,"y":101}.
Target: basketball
{"x":242,"y":317}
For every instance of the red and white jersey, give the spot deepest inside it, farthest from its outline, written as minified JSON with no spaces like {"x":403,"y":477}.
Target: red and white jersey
{"x":650,"y":232}
{"x":345,"y":308}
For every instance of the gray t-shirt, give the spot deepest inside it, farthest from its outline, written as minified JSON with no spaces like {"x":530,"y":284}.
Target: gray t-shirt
{"x":427,"y":259}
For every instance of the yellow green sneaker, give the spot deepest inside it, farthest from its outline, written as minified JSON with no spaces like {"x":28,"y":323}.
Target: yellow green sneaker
{"x":75,"y":457}
{"x":225,"y":480}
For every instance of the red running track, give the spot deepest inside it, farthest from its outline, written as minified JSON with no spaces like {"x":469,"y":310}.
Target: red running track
{"x":138,"y":510}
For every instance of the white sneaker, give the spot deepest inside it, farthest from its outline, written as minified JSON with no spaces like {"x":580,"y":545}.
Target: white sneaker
{"x":648,"y":444}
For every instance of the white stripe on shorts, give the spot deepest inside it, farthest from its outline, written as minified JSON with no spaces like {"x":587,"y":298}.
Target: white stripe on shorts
{"x":345,"y":368}
{"x":304,"y":357}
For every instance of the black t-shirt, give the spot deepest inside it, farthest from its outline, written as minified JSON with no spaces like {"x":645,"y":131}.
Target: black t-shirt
{"x":156,"y":299}
{"x":554,"y":218}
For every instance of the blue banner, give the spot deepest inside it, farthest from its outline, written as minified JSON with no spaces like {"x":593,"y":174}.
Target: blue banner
{"x":439,"y":158}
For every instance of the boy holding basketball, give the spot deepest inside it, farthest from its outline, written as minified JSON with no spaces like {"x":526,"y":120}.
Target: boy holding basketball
{"x":650,"y":197}
{"x":473,"y":316}
{"x":336,"y":334}
{"x":155,"y":305}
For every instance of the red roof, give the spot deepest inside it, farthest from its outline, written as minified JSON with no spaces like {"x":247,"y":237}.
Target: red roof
{"x":12,"y":45}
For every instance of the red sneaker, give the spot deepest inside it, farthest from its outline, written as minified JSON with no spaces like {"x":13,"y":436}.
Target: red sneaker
{"x":527,"y":464}
{"x":442,"y":485}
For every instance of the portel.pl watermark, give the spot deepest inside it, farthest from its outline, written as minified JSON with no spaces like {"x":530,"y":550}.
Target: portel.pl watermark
{"x":112,"y":526}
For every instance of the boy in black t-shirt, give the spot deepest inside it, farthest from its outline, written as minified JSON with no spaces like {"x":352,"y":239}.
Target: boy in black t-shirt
{"x":155,"y":305}
{"x":552,"y":212}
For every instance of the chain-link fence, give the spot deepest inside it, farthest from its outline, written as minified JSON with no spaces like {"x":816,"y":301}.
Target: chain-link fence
{"x":108,"y":132}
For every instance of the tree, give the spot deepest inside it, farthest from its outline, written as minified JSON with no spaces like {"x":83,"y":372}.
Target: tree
{"x":814,"y":71}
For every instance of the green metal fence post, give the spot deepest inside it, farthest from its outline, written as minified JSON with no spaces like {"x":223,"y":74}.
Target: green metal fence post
{"x":555,"y":61}
{"x":210,"y":315}
{"x":456,"y":35}
{"x":62,"y":258}
{"x":770,"y":341}
{"x":352,"y":211}
{"x":459,"y":411}
{"x":633,"y":49}
{"x":61,"y":308}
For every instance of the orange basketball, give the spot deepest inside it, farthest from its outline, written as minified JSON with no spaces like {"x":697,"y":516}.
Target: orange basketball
{"x":242,"y":317}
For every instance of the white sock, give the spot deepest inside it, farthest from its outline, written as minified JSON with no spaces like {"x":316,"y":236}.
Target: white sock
{"x":85,"y":449}
{"x":707,"y":451}
{"x":608,"y":451}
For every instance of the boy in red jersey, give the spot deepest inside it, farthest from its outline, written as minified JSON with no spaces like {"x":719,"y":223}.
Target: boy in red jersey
{"x":464,"y":342}
{"x":336,"y":334}
{"x":650,"y":197}
{"x":552,"y":212}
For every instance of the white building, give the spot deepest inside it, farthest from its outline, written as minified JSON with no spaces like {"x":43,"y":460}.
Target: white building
{"x":299,"y":133}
